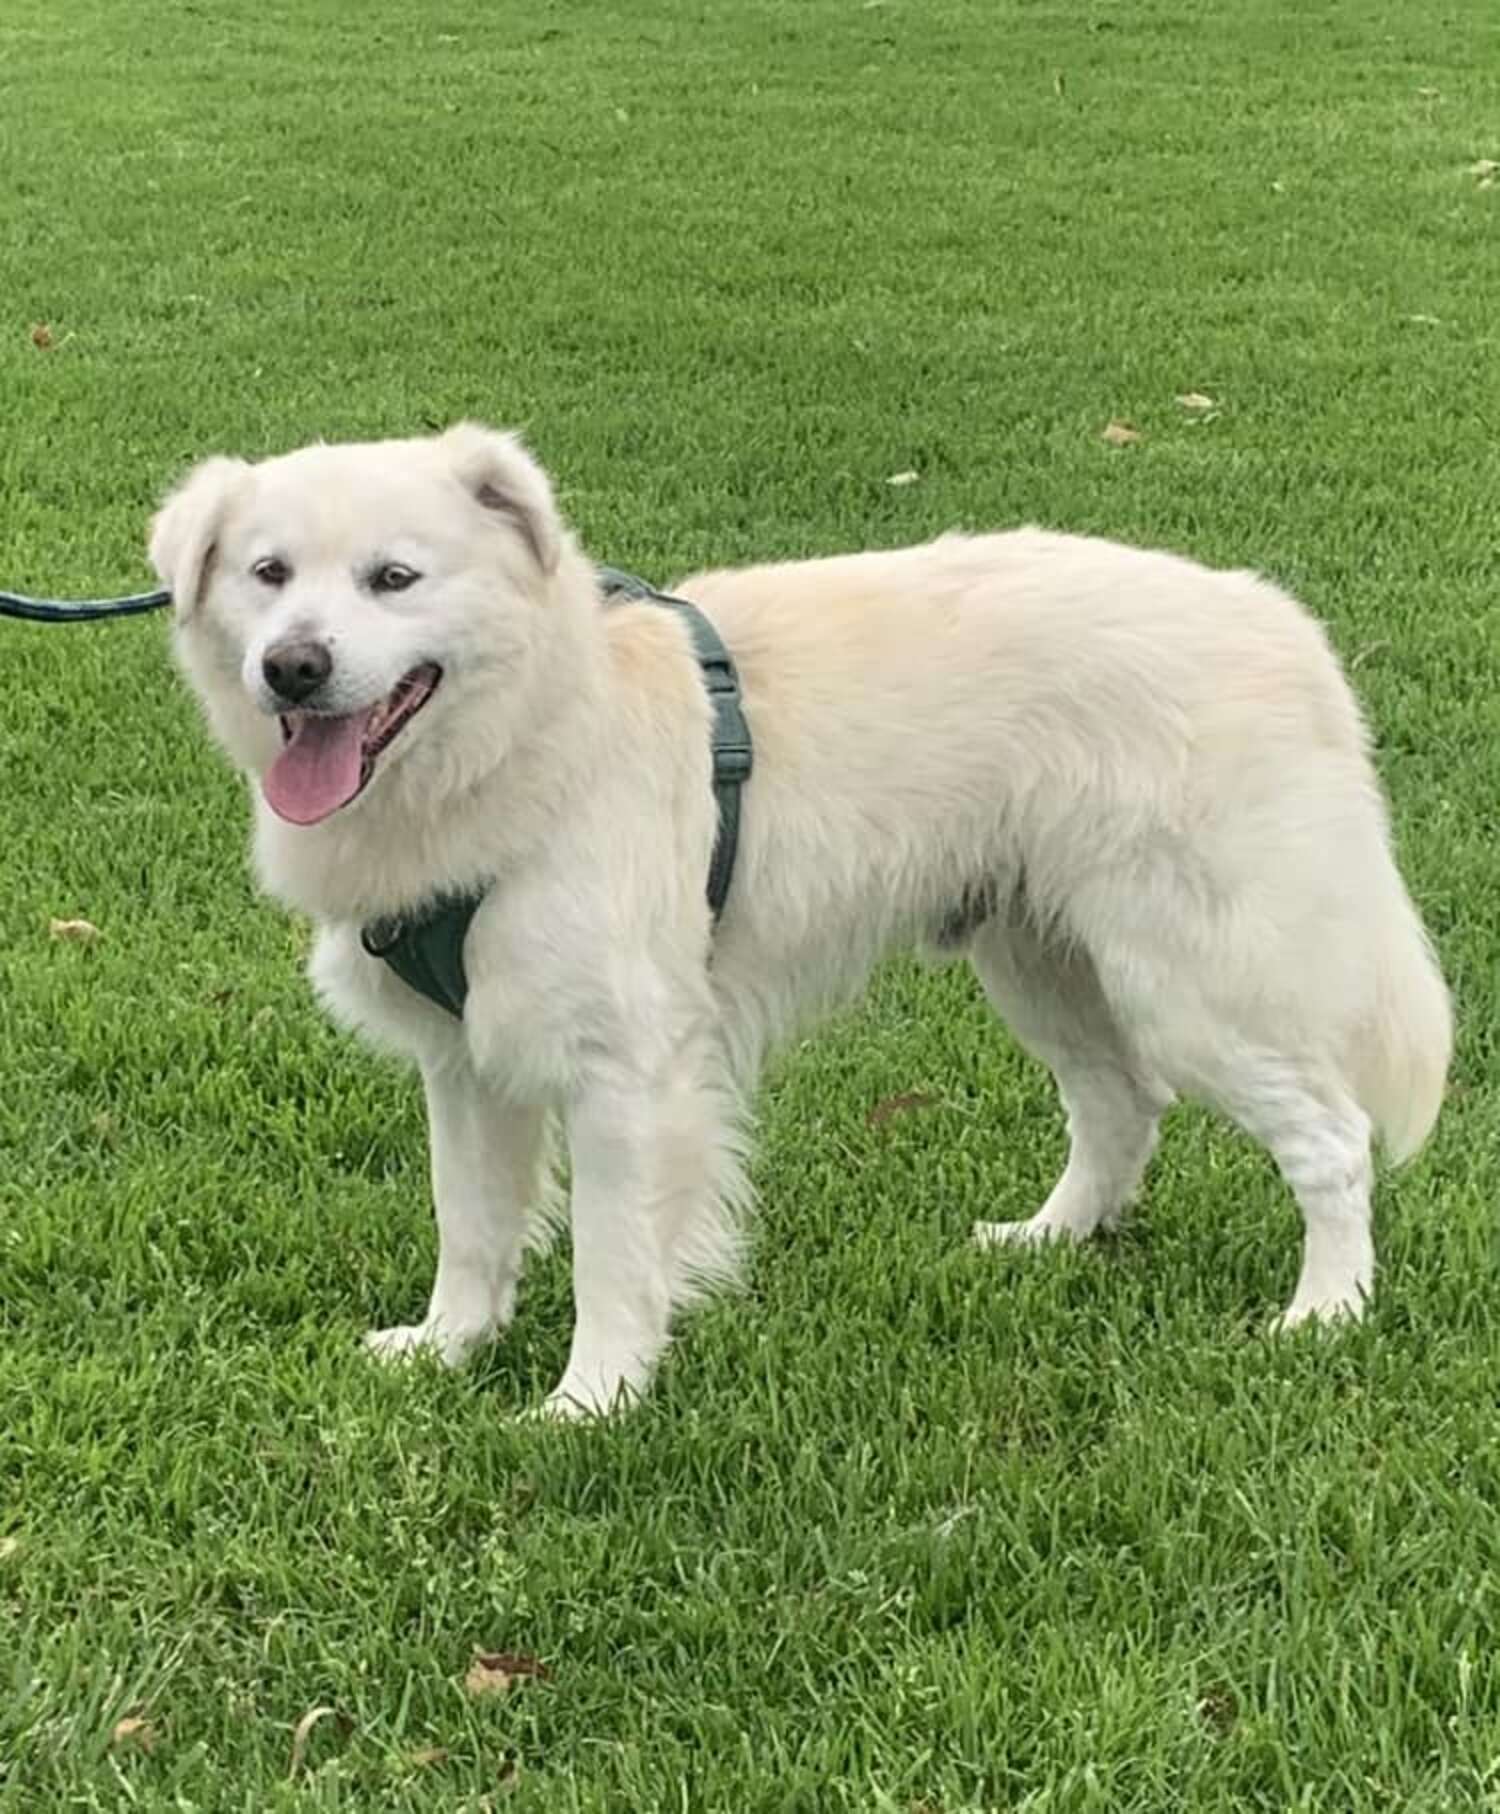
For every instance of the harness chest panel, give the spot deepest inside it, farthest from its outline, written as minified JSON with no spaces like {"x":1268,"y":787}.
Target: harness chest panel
{"x":425,"y":948}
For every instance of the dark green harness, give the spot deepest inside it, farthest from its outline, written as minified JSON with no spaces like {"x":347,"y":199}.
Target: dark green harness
{"x":426,"y":947}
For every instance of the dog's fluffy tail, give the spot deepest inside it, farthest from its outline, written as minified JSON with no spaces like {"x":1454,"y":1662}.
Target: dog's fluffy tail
{"x":1400,"y":1063}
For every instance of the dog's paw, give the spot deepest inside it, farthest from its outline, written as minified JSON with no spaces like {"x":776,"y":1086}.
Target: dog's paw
{"x":1329,"y":1315}
{"x":402,"y":1342}
{"x":572,"y":1401}
{"x":554,"y":1408}
{"x":415,"y":1341}
{"x":1032,"y":1233}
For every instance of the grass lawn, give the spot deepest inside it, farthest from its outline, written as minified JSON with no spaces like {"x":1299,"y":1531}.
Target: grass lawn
{"x":906,"y":1528}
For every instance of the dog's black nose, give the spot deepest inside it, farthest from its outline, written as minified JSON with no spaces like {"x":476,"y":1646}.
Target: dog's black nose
{"x":295,"y":670}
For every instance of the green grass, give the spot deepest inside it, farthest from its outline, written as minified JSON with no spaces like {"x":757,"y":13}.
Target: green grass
{"x":905,"y":1528}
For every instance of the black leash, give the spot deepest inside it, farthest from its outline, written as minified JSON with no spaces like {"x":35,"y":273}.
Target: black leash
{"x":79,"y":610}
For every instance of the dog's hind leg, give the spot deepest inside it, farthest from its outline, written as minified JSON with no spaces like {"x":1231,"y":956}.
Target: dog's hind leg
{"x":1232,"y":1017}
{"x":1049,"y":996}
{"x":1320,"y":1140}
{"x":486,"y":1164}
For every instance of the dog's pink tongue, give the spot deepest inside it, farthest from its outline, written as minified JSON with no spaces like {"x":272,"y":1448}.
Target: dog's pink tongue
{"x":320,"y":769}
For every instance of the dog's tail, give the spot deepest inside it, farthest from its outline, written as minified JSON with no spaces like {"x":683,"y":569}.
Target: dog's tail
{"x":1399,"y":1064}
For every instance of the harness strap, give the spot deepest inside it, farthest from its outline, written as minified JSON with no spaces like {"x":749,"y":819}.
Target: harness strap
{"x":425,"y":948}
{"x":733,"y":752}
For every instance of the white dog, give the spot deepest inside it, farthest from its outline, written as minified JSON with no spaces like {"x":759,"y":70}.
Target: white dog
{"x":1134,"y":792}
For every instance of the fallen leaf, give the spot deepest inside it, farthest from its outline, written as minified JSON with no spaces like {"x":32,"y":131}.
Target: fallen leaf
{"x":1119,"y":434}
{"x":510,"y":1776}
{"x":494,"y":1671}
{"x":1484,"y":172}
{"x":81,"y":932}
{"x":133,"y":1731}
{"x":482,"y":1680}
{"x":903,"y":478}
{"x":1196,"y":400}
{"x":1429,"y":94}
{"x":9,"y":1546}
{"x":428,"y":1756}
{"x":41,"y":336}
{"x":1218,"y":1709}
{"x":899,"y":1105}
{"x":304,"y":1733}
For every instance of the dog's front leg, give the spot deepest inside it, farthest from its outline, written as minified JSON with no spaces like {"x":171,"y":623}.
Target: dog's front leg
{"x":486,"y":1158}
{"x":627,"y":1165}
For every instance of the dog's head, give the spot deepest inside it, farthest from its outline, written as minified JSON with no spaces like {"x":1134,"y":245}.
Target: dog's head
{"x":334,"y":606}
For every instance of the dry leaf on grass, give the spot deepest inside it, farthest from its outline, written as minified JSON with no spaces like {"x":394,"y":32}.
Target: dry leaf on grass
{"x":41,"y":336}
{"x":1195,"y":400}
{"x":428,"y":1756}
{"x":9,"y":1546}
{"x":304,"y":1732}
{"x":899,"y":1105}
{"x":1218,"y":1709}
{"x":133,"y":1731}
{"x":494,"y":1671}
{"x":903,"y":478}
{"x":1119,"y":434}
{"x":81,"y":932}
{"x":1484,"y":171}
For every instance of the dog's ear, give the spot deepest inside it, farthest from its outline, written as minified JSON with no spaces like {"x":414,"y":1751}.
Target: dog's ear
{"x":498,"y":473}
{"x":184,"y":530}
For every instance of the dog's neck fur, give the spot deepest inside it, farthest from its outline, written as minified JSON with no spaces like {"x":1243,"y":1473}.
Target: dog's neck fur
{"x":392,"y":850}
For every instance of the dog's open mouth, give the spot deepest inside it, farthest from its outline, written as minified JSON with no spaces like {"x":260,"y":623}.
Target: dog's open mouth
{"x":328,"y":758}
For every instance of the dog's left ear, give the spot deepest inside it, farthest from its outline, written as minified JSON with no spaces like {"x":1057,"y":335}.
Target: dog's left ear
{"x":496,"y":470}
{"x":184,"y":530}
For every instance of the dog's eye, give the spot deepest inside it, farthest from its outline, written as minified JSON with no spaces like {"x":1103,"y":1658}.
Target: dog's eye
{"x":393,"y":577}
{"x":271,"y":572}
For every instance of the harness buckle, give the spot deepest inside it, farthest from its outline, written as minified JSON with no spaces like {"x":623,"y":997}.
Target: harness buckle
{"x":733,"y":761}
{"x":383,"y":935}
{"x":719,"y":674}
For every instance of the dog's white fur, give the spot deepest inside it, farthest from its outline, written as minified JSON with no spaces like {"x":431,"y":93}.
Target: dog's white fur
{"x":1137,"y":793}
